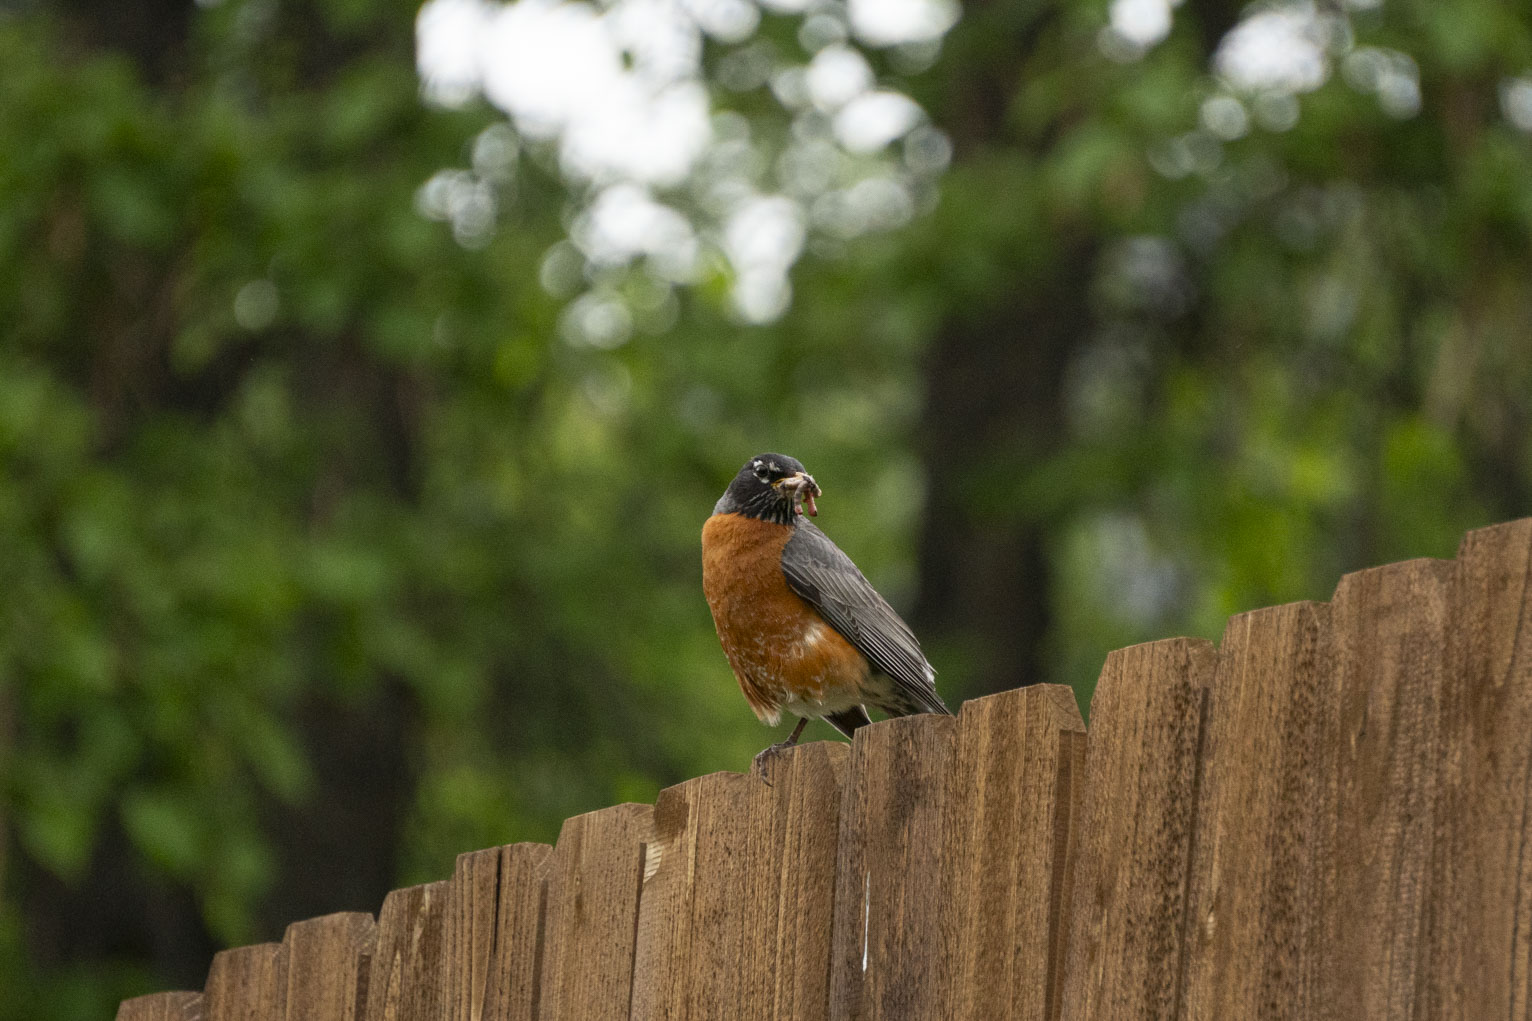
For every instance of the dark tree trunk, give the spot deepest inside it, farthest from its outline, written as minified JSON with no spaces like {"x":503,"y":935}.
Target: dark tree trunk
{"x":336,"y":850}
{"x":994,"y":390}
{"x":152,"y":32}
{"x":995,"y":378}
{"x":993,"y":411}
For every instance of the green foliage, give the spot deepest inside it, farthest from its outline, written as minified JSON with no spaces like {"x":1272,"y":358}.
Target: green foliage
{"x":292,"y":484}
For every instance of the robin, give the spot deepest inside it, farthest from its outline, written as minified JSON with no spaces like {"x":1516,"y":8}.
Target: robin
{"x":804,"y":631}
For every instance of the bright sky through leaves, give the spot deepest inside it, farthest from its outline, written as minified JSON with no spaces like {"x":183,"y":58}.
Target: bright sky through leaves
{"x":664,"y":172}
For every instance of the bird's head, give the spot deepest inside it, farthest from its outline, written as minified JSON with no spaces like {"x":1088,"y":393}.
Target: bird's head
{"x":772,"y":487}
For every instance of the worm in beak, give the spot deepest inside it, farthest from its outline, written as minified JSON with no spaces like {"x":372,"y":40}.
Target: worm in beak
{"x":801,"y":489}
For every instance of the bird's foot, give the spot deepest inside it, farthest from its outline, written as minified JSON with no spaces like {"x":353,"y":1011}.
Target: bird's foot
{"x":767,"y":754}
{"x":764,"y":757}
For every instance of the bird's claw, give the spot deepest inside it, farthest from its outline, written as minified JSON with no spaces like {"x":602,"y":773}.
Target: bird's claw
{"x":764,"y":756}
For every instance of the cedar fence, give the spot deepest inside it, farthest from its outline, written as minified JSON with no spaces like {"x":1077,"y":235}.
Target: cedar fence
{"x":1324,"y":816}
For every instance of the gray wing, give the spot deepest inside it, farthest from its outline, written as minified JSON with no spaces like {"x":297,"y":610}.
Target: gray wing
{"x":817,"y":570}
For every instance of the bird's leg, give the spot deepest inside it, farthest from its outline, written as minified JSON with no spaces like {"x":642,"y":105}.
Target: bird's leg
{"x":766,"y":753}
{"x":792,"y":739}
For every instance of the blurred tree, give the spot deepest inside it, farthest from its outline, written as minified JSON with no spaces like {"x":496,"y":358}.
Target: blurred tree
{"x":327,"y":557}
{"x":196,"y":509}
{"x":1209,"y":340}
{"x":332,"y":549}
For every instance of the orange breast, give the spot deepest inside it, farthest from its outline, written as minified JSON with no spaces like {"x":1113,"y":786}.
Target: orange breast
{"x":783,"y":653}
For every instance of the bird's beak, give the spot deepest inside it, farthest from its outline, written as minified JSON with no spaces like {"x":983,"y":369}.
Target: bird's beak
{"x":800,"y":486}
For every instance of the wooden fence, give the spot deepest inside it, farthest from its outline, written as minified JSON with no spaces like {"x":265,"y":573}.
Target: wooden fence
{"x":1324,"y":816}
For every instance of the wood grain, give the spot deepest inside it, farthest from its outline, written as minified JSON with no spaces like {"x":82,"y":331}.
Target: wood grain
{"x":328,"y":964}
{"x":492,"y":934}
{"x":1008,"y":849}
{"x":591,"y":915}
{"x":247,"y":984}
{"x":1265,"y":825}
{"x":739,"y":879}
{"x":470,"y":933}
{"x":1477,"y":956}
{"x":962,"y":834}
{"x":1069,"y":802}
{"x":889,"y":890}
{"x":1390,"y":642}
{"x":513,"y":966}
{"x":1136,"y":832}
{"x":177,"y":1006}
{"x":405,"y":983}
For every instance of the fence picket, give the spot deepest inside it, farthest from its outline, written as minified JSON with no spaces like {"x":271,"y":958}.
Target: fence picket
{"x":734,"y":918}
{"x":513,"y":967}
{"x":890,"y":867}
{"x":327,"y":965}
{"x":1007,"y":849}
{"x":490,"y":965}
{"x":1478,"y":938}
{"x":246,"y":984}
{"x":470,"y":933}
{"x":591,"y":915}
{"x":1266,"y":821}
{"x":1389,"y":627}
{"x":1135,"y":846}
{"x":405,"y":980}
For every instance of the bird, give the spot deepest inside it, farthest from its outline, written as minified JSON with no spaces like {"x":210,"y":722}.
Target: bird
{"x":805,"y":633}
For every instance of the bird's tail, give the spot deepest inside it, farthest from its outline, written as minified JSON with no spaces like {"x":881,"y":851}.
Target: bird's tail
{"x":907,"y":701}
{"x":847,"y":720}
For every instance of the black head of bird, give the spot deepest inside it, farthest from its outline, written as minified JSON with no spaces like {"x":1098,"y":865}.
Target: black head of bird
{"x":771,"y":487}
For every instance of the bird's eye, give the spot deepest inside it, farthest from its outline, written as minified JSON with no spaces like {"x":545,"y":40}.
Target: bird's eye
{"x":761,"y":470}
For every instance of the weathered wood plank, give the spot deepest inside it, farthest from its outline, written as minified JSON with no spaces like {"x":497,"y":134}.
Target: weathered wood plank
{"x":888,"y":886}
{"x":328,"y":962}
{"x":591,"y":915}
{"x":511,"y":994}
{"x":666,"y":934}
{"x":1069,"y":807}
{"x":1477,"y":956}
{"x":1136,"y":832}
{"x":470,"y":933}
{"x":177,"y":1006}
{"x":735,"y":913}
{"x":490,"y":964}
{"x":1006,"y":846}
{"x":405,"y":983}
{"x":802,"y":809}
{"x":1265,"y":827}
{"x":246,"y":984}
{"x":1389,"y":628}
